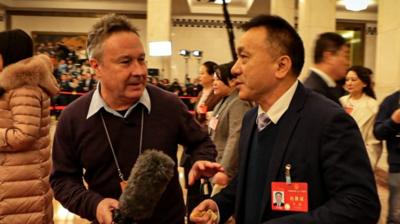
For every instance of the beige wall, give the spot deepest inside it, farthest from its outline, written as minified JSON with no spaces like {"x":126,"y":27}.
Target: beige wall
{"x":370,"y":47}
{"x":212,"y":41}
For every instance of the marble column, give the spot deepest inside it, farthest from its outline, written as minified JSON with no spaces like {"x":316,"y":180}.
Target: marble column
{"x":314,"y":17}
{"x":159,"y":29}
{"x":387,"y":68}
{"x":285,"y":9}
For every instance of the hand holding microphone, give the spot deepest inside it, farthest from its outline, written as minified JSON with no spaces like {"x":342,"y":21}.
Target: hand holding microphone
{"x":147,"y":182}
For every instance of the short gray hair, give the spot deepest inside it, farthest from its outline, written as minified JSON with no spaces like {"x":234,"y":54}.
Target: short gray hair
{"x":108,"y":25}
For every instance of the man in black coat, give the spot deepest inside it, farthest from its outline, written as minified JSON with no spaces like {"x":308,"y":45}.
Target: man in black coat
{"x":387,"y":127}
{"x":331,"y":58}
{"x":307,"y":147}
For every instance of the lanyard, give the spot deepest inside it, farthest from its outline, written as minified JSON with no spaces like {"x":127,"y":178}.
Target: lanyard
{"x":120,"y":174}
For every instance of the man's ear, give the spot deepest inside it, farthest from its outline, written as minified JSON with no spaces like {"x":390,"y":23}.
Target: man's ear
{"x":284,"y":65}
{"x":327,"y":56}
{"x":94,"y":63}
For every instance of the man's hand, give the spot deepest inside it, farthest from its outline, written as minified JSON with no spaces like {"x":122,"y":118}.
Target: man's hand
{"x":220,"y":178}
{"x":104,"y":210}
{"x":203,"y":168}
{"x":205,"y":213}
{"x":396,"y":116}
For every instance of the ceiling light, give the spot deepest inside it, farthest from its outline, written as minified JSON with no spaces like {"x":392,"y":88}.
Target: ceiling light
{"x":355,"y":5}
{"x":197,"y":53}
{"x":184,"y":53}
{"x":220,"y":1}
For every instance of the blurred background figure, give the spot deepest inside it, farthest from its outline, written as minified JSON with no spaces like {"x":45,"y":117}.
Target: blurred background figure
{"x":27,"y":85}
{"x":204,"y":104}
{"x":206,"y":100}
{"x":225,"y":125}
{"x":387,"y":127}
{"x":361,"y":104}
{"x":331,"y":61}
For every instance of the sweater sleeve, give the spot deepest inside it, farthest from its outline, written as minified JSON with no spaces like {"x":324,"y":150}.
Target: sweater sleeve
{"x":385,"y":127}
{"x":66,"y":178}
{"x":198,"y":143}
{"x":230,"y":155}
{"x":25,"y":106}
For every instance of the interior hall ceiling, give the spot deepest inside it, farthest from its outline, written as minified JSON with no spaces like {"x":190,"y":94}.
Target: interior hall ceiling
{"x":246,"y":8}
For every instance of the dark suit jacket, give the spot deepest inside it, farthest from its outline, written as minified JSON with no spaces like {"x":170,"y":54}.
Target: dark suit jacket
{"x":324,"y":147}
{"x":316,"y":83}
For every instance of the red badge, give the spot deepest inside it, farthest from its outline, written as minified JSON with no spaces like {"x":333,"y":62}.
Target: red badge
{"x":348,"y":109}
{"x":289,"y":196}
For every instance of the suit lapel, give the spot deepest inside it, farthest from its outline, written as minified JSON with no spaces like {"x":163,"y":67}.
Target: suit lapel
{"x":287,"y":125}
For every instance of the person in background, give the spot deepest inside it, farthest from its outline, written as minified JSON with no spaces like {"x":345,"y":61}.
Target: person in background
{"x":100,"y":135}
{"x":387,"y":127}
{"x":176,"y":88}
{"x":296,"y":141}
{"x":206,"y":99}
{"x":26,"y":86}
{"x":225,"y":125}
{"x":361,"y":104}
{"x":204,"y":105}
{"x":331,"y":59}
{"x":193,"y":89}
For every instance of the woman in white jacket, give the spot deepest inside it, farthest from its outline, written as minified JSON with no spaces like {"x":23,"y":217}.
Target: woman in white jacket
{"x":361,"y":104}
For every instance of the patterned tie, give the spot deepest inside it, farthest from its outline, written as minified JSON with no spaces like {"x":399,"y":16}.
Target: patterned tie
{"x":262,"y":121}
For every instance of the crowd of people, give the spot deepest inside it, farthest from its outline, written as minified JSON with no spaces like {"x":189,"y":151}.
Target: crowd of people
{"x":275,"y":150}
{"x":76,"y":77}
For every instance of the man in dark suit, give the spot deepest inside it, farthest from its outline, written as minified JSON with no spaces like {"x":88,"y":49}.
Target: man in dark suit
{"x":308,"y":140}
{"x":331,"y":58}
{"x":387,"y":127}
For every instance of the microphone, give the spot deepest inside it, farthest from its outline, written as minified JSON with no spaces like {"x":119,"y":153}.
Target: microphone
{"x":147,"y":182}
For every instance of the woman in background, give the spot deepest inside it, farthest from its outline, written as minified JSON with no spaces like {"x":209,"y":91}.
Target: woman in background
{"x":207,"y":99}
{"x":225,"y":125}
{"x":361,"y":104}
{"x":26,"y":85}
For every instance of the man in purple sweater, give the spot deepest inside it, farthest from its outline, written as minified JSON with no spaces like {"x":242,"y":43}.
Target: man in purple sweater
{"x":100,"y":135}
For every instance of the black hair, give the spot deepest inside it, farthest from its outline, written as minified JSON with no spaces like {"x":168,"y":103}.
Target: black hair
{"x":328,"y":41}
{"x":210,"y":66}
{"x":15,"y":45}
{"x":365,"y":75}
{"x":223,"y":72}
{"x":283,"y":36}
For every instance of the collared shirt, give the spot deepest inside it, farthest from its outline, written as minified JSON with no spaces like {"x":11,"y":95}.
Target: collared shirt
{"x":329,"y":81}
{"x":276,"y":111}
{"x":98,"y":102}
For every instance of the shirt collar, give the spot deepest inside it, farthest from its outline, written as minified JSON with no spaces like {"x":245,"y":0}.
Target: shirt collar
{"x":276,"y":111}
{"x":97,"y":103}
{"x":329,"y":81}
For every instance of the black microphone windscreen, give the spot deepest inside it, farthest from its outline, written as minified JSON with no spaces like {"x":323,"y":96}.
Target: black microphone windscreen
{"x":147,"y":182}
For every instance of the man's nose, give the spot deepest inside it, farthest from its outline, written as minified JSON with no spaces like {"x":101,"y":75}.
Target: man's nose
{"x":138,"y":69}
{"x":235,"y":71}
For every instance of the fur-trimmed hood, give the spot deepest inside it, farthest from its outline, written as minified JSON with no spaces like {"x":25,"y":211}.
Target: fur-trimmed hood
{"x":36,"y":71}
